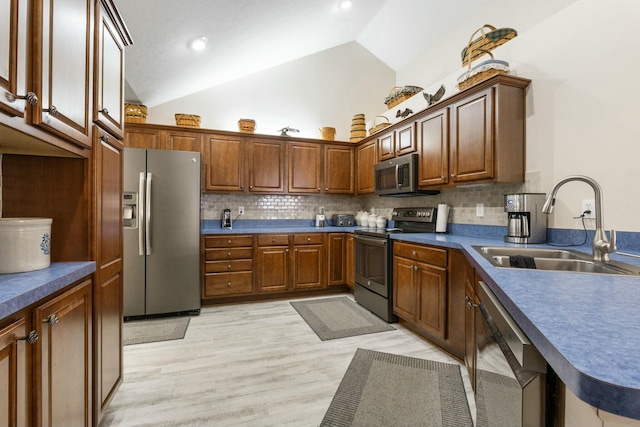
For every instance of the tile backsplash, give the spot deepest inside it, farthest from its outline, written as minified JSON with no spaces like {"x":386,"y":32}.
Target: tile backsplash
{"x":462,"y":202}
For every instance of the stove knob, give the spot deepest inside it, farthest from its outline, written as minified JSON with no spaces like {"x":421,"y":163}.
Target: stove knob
{"x":420,"y":213}
{"x":428,"y":213}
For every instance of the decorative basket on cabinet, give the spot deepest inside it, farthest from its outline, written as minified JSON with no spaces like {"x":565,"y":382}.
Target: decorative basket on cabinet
{"x":487,"y":41}
{"x":400,"y":94}
{"x":135,"y":113}
{"x":378,"y":127}
{"x":188,"y":120}
{"x":482,"y":71}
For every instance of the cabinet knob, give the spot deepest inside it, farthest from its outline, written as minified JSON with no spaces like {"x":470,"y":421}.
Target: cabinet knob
{"x":414,"y":253}
{"x":228,"y":254}
{"x":104,"y":137}
{"x":229,"y":266}
{"x":53,"y":111}
{"x":273,"y":240}
{"x":228,"y":284}
{"x":318,"y":188}
{"x":30,"y":97}
{"x":104,"y":111}
{"x":326,"y":189}
{"x":229,"y":242}
{"x":251,"y":187}
{"x":453,"y":175}
{"x":442,"y":178}
{"x":469,"y":301}
{"x":295,"y":250}
{"x":287,"y":250}
{"x":31,"y":338}
{"x":242,"y":187}
{"x":415,"y":267}
{"x":51,"y":320}
{"x":308,"y":239}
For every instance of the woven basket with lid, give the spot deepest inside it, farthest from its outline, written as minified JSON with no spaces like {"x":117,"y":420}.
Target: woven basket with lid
{"x":188,"y":120}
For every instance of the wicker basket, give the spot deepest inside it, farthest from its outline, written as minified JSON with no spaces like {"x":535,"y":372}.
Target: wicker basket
{"x":400,"y":94}
{"x":247,"y":125}
{"x":135,"y":113}
{"x":188,"y":120}
{"x":328,"y":133}
{"x":482,"y":71}
{"x":380,"y":126}
{"x":487,"y":41}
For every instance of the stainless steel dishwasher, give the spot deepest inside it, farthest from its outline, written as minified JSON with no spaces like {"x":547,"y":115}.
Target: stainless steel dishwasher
{"x":510,"y":372}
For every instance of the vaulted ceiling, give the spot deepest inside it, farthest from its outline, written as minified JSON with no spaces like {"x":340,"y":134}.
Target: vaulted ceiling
{"x":247,"y":36}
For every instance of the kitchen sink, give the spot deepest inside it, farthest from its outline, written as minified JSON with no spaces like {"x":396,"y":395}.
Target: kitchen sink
{"x":561,"y":260}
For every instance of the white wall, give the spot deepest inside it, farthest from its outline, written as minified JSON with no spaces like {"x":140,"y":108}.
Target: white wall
{"x":583,"y":59}
{"x":325,"y":89}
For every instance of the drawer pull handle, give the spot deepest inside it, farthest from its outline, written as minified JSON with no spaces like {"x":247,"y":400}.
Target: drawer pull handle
{"x":51,"y":320}
{"x":30,"y":97}
{"x":31,"y":338}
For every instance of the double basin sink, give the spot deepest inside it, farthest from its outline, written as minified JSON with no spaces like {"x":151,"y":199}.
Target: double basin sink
{"x":560,"y":260}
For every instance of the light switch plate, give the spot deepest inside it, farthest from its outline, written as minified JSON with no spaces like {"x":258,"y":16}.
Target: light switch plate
{"x":479,"y":209}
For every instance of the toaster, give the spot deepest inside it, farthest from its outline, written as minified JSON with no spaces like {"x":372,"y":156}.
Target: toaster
{"x":343,"y":220}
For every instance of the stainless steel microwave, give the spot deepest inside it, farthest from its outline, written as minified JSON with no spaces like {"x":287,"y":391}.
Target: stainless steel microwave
{"x":398,"y":177}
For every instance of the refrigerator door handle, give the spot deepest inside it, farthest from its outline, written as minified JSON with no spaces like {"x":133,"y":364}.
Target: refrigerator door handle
{"x":147,"y":218}
{"x":140,"y":211}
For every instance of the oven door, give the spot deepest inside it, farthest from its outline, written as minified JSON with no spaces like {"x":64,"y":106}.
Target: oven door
{"x":372,"y":263}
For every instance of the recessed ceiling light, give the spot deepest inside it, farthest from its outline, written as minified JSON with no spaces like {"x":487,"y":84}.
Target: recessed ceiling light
{"x":345,"y":4}
{"x":198,"y":43}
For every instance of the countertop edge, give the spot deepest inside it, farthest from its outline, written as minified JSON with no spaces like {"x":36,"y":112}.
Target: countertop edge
{"x":30,"y":287}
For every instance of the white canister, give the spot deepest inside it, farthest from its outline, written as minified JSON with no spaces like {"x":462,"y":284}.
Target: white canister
{"x":381,"y":222}
{"x":371,"y":220}
{"x":25,"y":244}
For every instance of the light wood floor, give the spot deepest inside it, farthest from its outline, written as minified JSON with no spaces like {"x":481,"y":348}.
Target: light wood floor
{"x":255,"y":364}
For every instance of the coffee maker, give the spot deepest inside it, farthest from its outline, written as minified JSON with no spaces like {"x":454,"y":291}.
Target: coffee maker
{"x":525,"y":221}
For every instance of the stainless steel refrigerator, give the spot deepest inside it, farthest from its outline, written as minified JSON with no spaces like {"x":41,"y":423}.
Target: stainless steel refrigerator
{"x":161,"y":217}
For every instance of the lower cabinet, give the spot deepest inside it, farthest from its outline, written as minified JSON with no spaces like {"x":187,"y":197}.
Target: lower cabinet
{"x":470,"y":281}
{"x":242,"y":267}
{"x":350,"y":270}
{"x":228,"y":266}
{"x":46,"y":362}
{"x":428,"y":293}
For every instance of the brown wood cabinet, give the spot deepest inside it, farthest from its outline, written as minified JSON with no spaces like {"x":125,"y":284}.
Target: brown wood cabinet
{"x":350,"y":261}
{"x":339,"y":167}
{"x":63,"y":359}
{"x":471,"y":300}
{"x":265,"y":166}
{"x":308,"y":261}
{"x":273,"y":263}
{"x":228,"y":265}
{"x":428,"y":291}
{"x":13,"y":48}
{"x":366,"y":158}
{"x":397,"y":142}
{"x":137,"y":136}
{"x":336,"y":259}
{"x":433,"y":148}
{"x":305,"y":168}
{"x":15,"y":373}
{"x":184,"y":141}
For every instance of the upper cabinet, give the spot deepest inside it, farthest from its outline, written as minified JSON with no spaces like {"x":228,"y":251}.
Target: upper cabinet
{"x":111,"y":37}
{"x":397,"y":142}
{"x":62,"y":68}
{"x":433,"y":143}
{"x":320,"y":169}
{"x":339,"y":167}
{"x":366,"y":158}
{"x":13,"y":59}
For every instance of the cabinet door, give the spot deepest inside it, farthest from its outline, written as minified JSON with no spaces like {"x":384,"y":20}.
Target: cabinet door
{"x":108,"y":291}
{"x":62,"y":78}
{"x":366,"y":159}
{"x":15,"y":375}
{"x":144,"y":137}
{"x":406,"y":140}
{"x":469,"y":324}
{"x":404,"y":288}
{"x":472,"y":138}
{"x":273,"y":269}
{"x":304,"y":168}
{"x":13,"y":50}
{"x":432,"y":299}
{"x":63,"y":359}
{"x":266,"y":166}
{"x":336,"y":258}
{"x":386,"y":146}
{"x":224,"y":163}
{"x":108,"y":107}
{"x":338,"y":169}
{"x":184,"y":141}
{"x":433,"y":146}
{"x":308,"y":267}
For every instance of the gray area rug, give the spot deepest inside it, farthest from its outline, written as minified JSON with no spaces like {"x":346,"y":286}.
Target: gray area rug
{"x":146,"y":331}
{"x":340,"y":317}
{"x":383,"y":389}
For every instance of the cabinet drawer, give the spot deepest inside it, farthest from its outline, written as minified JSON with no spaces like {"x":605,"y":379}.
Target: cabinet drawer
{"x":231,"y":265}
{"x":273,"y":240}
{"x":227,"y":241}
{"x":231,"y":253}
{"x":228,"y":284}
{"x":425,"y":254}
{"x":307,"y":239}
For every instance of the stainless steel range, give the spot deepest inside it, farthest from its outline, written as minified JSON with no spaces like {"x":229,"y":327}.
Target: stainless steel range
{"x":374,"y":258}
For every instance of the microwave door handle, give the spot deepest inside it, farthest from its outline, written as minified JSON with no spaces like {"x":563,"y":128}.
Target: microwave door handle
{"x":398,"y":185}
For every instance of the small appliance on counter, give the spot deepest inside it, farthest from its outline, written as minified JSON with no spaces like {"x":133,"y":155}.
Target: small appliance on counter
{"x":226,"y":219}
{"x":343,"y":220}
{"x":525,"y":221}
{"x":320,"y":218}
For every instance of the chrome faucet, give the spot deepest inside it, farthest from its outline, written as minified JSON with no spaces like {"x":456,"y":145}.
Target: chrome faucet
{"x":601,"y":246}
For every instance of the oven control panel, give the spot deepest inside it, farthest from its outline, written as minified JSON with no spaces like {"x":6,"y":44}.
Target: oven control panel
{"x":414,"y":214}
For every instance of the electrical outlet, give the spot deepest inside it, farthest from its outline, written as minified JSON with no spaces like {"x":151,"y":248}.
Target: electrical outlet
{"x":240,"y":210}
{"x":589,"y":205}
{"x":479,"y":209}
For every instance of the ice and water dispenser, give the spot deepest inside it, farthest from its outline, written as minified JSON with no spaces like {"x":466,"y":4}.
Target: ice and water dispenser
{"x":525,"y":221}
{"x":130,"y":210}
